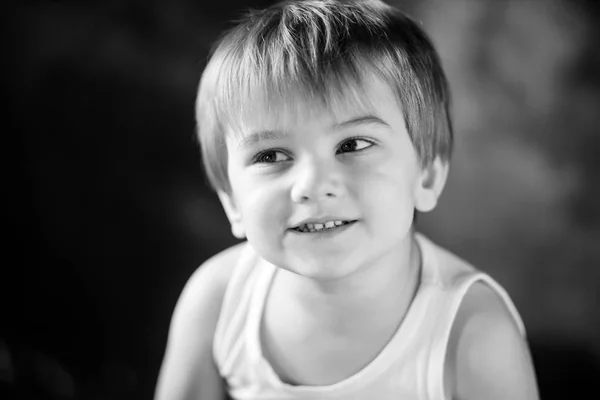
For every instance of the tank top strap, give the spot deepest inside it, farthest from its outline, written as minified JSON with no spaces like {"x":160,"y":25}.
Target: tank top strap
{"x":235,"y":308}
{"x":410,"y":366}
{"x":452,"y":278}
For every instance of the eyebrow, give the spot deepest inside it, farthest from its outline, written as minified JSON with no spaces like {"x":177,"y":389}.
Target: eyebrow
{"x":369,"y":119}
{"x":258,"y":136}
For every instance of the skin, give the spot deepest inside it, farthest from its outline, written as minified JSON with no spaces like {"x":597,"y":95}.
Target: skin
{"x":323,"y":165}
{"x":351,"y":285}
{"x":487,"y":357}
{"x":188,"y":371}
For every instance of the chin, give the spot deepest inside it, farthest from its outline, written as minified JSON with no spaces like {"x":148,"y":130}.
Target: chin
{"x":321,"y":270}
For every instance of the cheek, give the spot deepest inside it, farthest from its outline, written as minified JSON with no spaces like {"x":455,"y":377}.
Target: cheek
{"x":388,"y":199}
{"x":391,"y":181}
{"x":265,"y":217}
{"x":262,"y":203}
{"x":264,"y":209}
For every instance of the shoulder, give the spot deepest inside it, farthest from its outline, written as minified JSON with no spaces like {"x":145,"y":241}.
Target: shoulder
{"x":188,"y":367}
{"x":200,"y":301}
{"x":208,"y":283}
{"x":487,"y":355}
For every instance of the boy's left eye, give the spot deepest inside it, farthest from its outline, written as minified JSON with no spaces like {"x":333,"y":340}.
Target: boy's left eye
{"x":354,"y":145}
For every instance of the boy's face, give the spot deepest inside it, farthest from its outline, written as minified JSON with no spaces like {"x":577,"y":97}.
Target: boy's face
{"x":354,"y":165}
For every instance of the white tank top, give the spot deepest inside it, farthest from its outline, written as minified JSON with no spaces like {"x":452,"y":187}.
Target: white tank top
{"x":410,"y":366}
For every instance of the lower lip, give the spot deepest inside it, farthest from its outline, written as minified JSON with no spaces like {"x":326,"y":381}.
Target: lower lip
{"x":324,"y":233}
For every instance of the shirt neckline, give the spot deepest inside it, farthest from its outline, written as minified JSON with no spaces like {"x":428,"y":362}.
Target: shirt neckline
{"x":399,"y":341}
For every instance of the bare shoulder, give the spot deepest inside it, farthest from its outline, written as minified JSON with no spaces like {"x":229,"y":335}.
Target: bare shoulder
{"x":210,"y":279}
{"x":188,"y":369}
{"x":201,"y":298}
{"x":487,"y":355}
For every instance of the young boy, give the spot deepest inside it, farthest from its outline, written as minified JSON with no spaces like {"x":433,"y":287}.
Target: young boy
{"x":324,"y":126}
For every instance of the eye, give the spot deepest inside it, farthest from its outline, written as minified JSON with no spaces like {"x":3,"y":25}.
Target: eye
{"x":354,"y":145}
{"x":270,"y":157}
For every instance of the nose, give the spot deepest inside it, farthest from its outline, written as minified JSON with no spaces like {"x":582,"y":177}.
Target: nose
{"x":316,"y":181}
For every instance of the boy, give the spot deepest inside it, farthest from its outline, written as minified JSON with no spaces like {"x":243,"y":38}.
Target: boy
{"x":324,"y":126}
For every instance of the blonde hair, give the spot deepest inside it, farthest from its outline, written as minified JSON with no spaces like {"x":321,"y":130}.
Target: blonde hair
{"x":320,"y":50}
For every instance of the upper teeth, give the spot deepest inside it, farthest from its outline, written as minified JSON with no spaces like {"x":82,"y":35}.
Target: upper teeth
{"x":319,"y":227}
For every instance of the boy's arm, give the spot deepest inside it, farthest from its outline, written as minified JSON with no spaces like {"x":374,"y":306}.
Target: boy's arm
{"x":188,"y":370}
{"x":487,"y":356}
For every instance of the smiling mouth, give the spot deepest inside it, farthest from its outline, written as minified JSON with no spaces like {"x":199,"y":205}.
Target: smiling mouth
{"x":321,"y":227}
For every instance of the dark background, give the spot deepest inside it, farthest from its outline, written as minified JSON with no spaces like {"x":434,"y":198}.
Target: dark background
{"x":109,"y":212}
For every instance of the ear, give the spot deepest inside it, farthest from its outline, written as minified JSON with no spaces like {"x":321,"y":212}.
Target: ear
{"x":430,"y":185}
{"x":233,"y":215}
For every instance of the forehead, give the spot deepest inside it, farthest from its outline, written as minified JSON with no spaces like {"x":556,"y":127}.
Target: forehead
{"x":270,"y":111}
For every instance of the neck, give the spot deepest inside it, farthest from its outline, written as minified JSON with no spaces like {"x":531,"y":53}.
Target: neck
{"x":375,"y":291}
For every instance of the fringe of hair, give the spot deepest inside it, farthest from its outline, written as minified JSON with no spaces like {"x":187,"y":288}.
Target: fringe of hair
{"x":319,"y":52}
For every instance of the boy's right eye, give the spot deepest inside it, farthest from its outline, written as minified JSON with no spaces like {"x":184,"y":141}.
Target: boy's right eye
{"x":270,"y":157}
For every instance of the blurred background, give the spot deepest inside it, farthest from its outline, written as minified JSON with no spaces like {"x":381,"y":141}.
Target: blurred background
{"x":109,"y":212}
